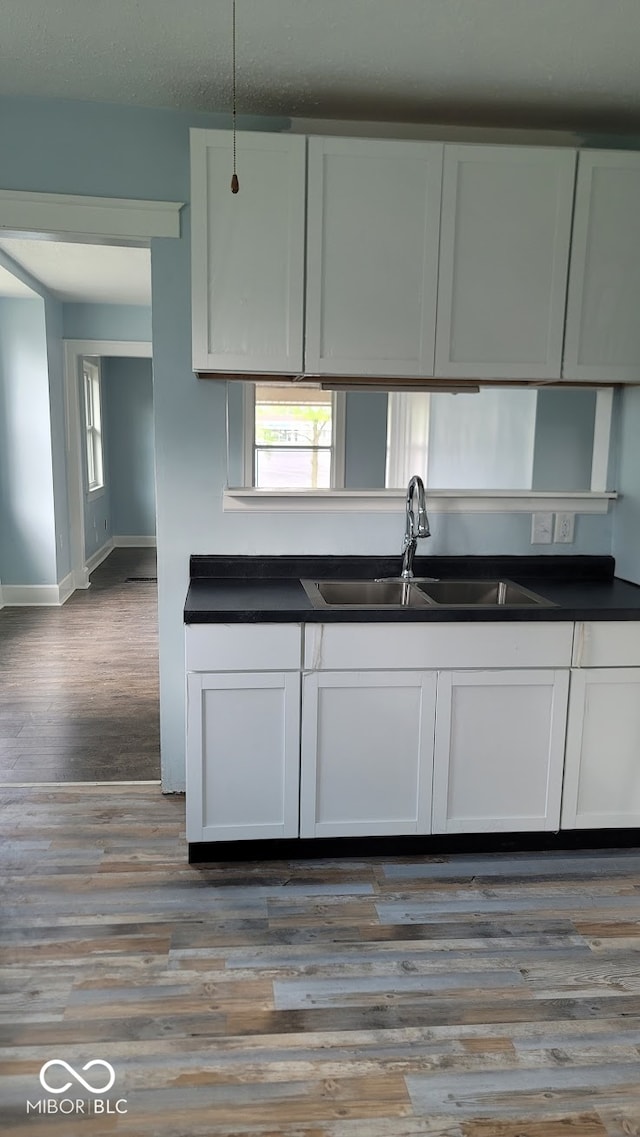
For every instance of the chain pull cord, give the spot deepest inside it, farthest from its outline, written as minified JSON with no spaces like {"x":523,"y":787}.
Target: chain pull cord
{"x":235,"y":184}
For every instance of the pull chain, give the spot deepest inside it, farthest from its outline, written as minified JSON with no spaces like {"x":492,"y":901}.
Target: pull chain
{"x":235,"y":184}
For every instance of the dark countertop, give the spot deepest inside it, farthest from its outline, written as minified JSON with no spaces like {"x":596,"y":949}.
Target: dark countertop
{"x":267,"y":590}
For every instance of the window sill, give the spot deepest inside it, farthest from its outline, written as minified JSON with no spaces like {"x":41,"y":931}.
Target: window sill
{"x":389,"y":501}
{"x":93,"y":494}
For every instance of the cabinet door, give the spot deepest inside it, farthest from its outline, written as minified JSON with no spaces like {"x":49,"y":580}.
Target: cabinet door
{"x":373,"y":219}
{"x":504,"y":250}
{"x":499,"y":750}
{"x":367,"y":753}
{"x":602,"y":339}
{"x":242,"y":755}
{"x":602,"y":769}
{"x":247,"y":251}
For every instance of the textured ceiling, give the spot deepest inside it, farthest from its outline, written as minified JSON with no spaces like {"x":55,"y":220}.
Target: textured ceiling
{"x":571,"y":64}
{"x":94,"y":274}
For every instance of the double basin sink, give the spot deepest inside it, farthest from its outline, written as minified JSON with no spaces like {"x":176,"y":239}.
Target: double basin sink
{"x":420,"y":593}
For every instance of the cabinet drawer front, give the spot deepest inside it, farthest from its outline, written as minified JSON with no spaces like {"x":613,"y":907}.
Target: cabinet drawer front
{"x":330,"y":647}
{"x":243,"y":647}
{"x":607,"y":644}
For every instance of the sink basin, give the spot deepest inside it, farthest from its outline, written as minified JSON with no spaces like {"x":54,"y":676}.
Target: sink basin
{"x":482,"y":594}
{"x":364,"y":594}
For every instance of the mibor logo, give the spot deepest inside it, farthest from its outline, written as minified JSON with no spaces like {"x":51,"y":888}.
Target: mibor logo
{"x":57,"y":1077}
{"x":111,"y":1076}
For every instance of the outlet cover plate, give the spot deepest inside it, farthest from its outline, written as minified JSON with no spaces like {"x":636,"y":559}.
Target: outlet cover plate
{"x":541,"y":528}
{"x":563,"y":528}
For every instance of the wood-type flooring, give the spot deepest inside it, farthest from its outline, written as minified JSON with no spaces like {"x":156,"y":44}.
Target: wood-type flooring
{"x":457,"y":996}
{"x":79,"y":683}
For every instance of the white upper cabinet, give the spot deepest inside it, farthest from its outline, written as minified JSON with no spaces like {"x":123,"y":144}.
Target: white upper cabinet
{"x":602,"y":339}
{"x":504,"y":249}
{"x":247,"y":251}
{"x":373,"y":218}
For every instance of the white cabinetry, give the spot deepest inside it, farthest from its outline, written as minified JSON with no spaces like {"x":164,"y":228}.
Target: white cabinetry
{"x":373,"y":221}
{"x":247,"y":252}
{"x":602,"y":767}
{"x":499,"y":750}
{"x":500,"y":698}
{"x":367,"y":753}
{"x":504,"y":250}
{"x":603,"y":331}
{"x":243,"y":731}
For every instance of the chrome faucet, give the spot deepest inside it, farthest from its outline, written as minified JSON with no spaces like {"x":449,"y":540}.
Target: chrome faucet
{"x":415,"y":527}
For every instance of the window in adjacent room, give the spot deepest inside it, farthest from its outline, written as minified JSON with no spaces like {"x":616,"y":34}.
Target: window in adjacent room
{"x":93,"y":424}
{"x":294,"y":437}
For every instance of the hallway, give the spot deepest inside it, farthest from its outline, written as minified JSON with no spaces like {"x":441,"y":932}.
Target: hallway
{"x":79,"y":684}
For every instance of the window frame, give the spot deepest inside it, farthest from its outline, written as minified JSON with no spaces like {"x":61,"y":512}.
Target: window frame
{"x":93,"y":418}
{"x":337,"y":448}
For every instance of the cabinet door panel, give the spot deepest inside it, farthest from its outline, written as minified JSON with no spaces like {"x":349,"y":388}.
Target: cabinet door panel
{"x":504,"y":250}
{"x":372,"y":255}
{"x":499,"y":751}
{"x":602,"y":771}
{"x":247,"y":252}
{"x":242,"y":756}
{"x":603,"y":331}
{"x":367,"y":753}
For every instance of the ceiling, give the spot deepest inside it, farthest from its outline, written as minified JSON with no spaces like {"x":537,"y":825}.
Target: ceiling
{"x":546,"y":64}
{"x":93,"y":274}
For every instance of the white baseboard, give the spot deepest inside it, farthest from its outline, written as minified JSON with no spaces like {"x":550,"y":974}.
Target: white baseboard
{"x":99,"y":556}
{"x":81,"y":578}
{"x":66,"y":587}
{"x":127,"y":542}
{"x":41,"y":595}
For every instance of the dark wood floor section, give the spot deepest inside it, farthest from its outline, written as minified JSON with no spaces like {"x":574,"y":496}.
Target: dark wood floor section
{"x":79,"y":684}
{"x":492,"y":996}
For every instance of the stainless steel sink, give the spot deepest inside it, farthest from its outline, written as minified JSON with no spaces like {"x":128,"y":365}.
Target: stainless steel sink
{"x":364,"y":594}
{"x":482,"y":594}
{"x":418,"y":594}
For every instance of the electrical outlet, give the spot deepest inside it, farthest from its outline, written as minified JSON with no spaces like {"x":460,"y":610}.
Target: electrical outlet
{"x":541,"y":526}
{"x":563,"y":529}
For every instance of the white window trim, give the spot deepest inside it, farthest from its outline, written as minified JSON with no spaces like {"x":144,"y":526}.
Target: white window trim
{"x":92,"y":431}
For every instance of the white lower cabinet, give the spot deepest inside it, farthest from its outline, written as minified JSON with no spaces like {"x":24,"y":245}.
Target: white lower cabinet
{"x":243,"y":731}
{"x":602,"y":770}
{"x":367,"y":753}
{"x":499,"y":750}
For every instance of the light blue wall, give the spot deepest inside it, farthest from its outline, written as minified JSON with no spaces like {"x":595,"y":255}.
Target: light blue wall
{"x":106,"y":322}
{"x":27,"y":528}
{"x":564,"y":440}
{"x":128,"y":401}
{"x":365,"y":440}
{"x":482,"y":440}
{"x":55,"y":366}
{"x":142,"y":153}
{"x":626,"y":529}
